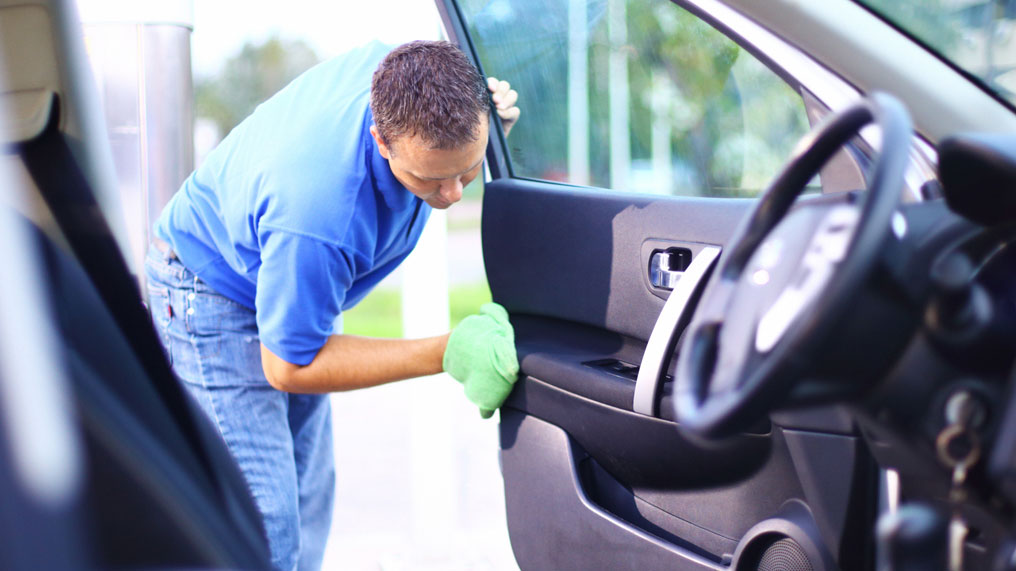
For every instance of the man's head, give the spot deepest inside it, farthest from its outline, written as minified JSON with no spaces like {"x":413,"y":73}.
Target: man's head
{"x":430,"y":119}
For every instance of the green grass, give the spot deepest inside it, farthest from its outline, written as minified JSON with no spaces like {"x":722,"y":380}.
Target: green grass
{"x":464,"y":300}
{"x":458,"y":225}
{"x":377,"y":315}
{"x":380,"y":313}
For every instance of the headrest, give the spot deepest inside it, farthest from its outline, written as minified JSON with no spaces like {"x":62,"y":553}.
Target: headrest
{"x":31,"y":76}
{"x":26,"y":114}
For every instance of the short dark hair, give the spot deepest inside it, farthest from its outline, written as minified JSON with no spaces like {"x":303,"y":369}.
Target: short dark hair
{"x":429,"y":89}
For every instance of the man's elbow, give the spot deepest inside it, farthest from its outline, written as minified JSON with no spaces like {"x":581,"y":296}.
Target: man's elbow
{"x":282,"y":375}
{"x":280,"y":381}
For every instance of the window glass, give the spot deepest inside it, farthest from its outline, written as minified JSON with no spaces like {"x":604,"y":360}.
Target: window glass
{"x":635,"y":95}
{"x":978,"y":36}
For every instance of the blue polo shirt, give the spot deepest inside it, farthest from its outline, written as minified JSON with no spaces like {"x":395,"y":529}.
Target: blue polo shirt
{"x":295,"y":214}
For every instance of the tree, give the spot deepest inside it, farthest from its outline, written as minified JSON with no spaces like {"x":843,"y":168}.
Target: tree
{"x":250,"y":77}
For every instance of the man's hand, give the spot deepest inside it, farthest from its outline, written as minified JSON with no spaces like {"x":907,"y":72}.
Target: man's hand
{"x":481,"y":355}
{"x":504,"y":100}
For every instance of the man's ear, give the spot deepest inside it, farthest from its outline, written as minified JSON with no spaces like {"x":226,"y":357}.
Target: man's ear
{"x":381,"y":146}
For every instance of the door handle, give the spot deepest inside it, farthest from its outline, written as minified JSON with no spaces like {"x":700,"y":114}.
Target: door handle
{"x":672,"y":319}
{"x":667,"y":266}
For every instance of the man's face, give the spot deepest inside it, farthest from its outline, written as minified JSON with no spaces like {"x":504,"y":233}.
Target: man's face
{"x":437,"y":176}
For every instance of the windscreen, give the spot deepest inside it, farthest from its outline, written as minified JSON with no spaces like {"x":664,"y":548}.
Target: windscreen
{"x":977,"y":36}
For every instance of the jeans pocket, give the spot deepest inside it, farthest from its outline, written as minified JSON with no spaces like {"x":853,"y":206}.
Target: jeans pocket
{"x":224,"y":337}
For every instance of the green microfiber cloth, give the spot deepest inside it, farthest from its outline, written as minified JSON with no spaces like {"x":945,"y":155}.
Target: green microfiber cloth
{"x":481,"y":356}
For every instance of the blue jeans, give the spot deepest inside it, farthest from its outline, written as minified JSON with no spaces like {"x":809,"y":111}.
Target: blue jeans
{"x":282,"y":442}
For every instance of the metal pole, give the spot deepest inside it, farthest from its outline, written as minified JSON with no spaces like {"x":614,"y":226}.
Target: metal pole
{"x":620,"y":143}
{"x":992,"y":13}
{"x":578,"y":93}
{"x":140,"y":52}
{"x":663,"y":167}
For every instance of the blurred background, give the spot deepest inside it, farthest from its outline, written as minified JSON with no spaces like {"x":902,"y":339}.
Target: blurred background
{"x":418,"y":483}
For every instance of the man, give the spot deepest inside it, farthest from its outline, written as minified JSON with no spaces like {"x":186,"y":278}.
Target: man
{"x":292,"y":219}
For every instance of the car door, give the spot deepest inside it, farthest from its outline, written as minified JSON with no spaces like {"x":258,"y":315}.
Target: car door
{"x":647,"y":129}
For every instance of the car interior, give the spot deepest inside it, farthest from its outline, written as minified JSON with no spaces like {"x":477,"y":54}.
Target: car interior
{"x":810,"y":379}
{"x":816,"y":374}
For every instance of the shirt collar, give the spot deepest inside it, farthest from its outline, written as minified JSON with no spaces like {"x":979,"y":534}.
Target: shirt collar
{"x":395,"y":195}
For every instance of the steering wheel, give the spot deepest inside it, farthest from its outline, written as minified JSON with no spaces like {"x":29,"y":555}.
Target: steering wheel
{"x":788,"y":278}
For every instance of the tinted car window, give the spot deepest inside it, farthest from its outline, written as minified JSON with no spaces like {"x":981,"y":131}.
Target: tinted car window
{"x":640,"y":96}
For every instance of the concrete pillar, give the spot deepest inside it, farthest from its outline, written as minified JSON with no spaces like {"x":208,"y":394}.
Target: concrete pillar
{"x":425,"y":313}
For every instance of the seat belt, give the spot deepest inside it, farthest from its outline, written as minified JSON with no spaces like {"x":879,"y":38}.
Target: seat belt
{"x":66,"y":191}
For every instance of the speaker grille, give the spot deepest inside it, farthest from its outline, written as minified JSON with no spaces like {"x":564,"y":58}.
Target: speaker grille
{"x":784,"y":555}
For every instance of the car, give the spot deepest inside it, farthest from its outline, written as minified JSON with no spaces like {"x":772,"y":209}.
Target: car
{"x":758,"y":257}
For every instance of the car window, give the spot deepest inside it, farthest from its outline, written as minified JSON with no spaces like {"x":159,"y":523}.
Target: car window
{"x":639,"y":96}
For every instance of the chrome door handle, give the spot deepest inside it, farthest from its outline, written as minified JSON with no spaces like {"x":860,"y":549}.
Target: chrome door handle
{"x":667,"y":266}
{"x":672,"y":320}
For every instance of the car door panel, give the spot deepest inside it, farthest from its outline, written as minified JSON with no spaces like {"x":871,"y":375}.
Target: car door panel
{"x":554,"y":525}
{"x":591,"y":480}
{"x":566,"y":511}
{"x":576,"y":254}
{"x":571,"y":411}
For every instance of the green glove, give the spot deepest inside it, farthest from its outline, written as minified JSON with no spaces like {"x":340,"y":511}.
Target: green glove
{"x":481,"y":356}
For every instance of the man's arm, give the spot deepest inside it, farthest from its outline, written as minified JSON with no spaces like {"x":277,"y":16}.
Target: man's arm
{"x":479,"y":353}
{"x":349,"y":362}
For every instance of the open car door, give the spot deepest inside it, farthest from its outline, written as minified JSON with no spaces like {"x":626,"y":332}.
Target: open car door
{"x":647,"y":130}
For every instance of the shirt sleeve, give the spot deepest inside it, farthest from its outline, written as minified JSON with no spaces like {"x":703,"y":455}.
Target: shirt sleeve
{"x":301,"y":286}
